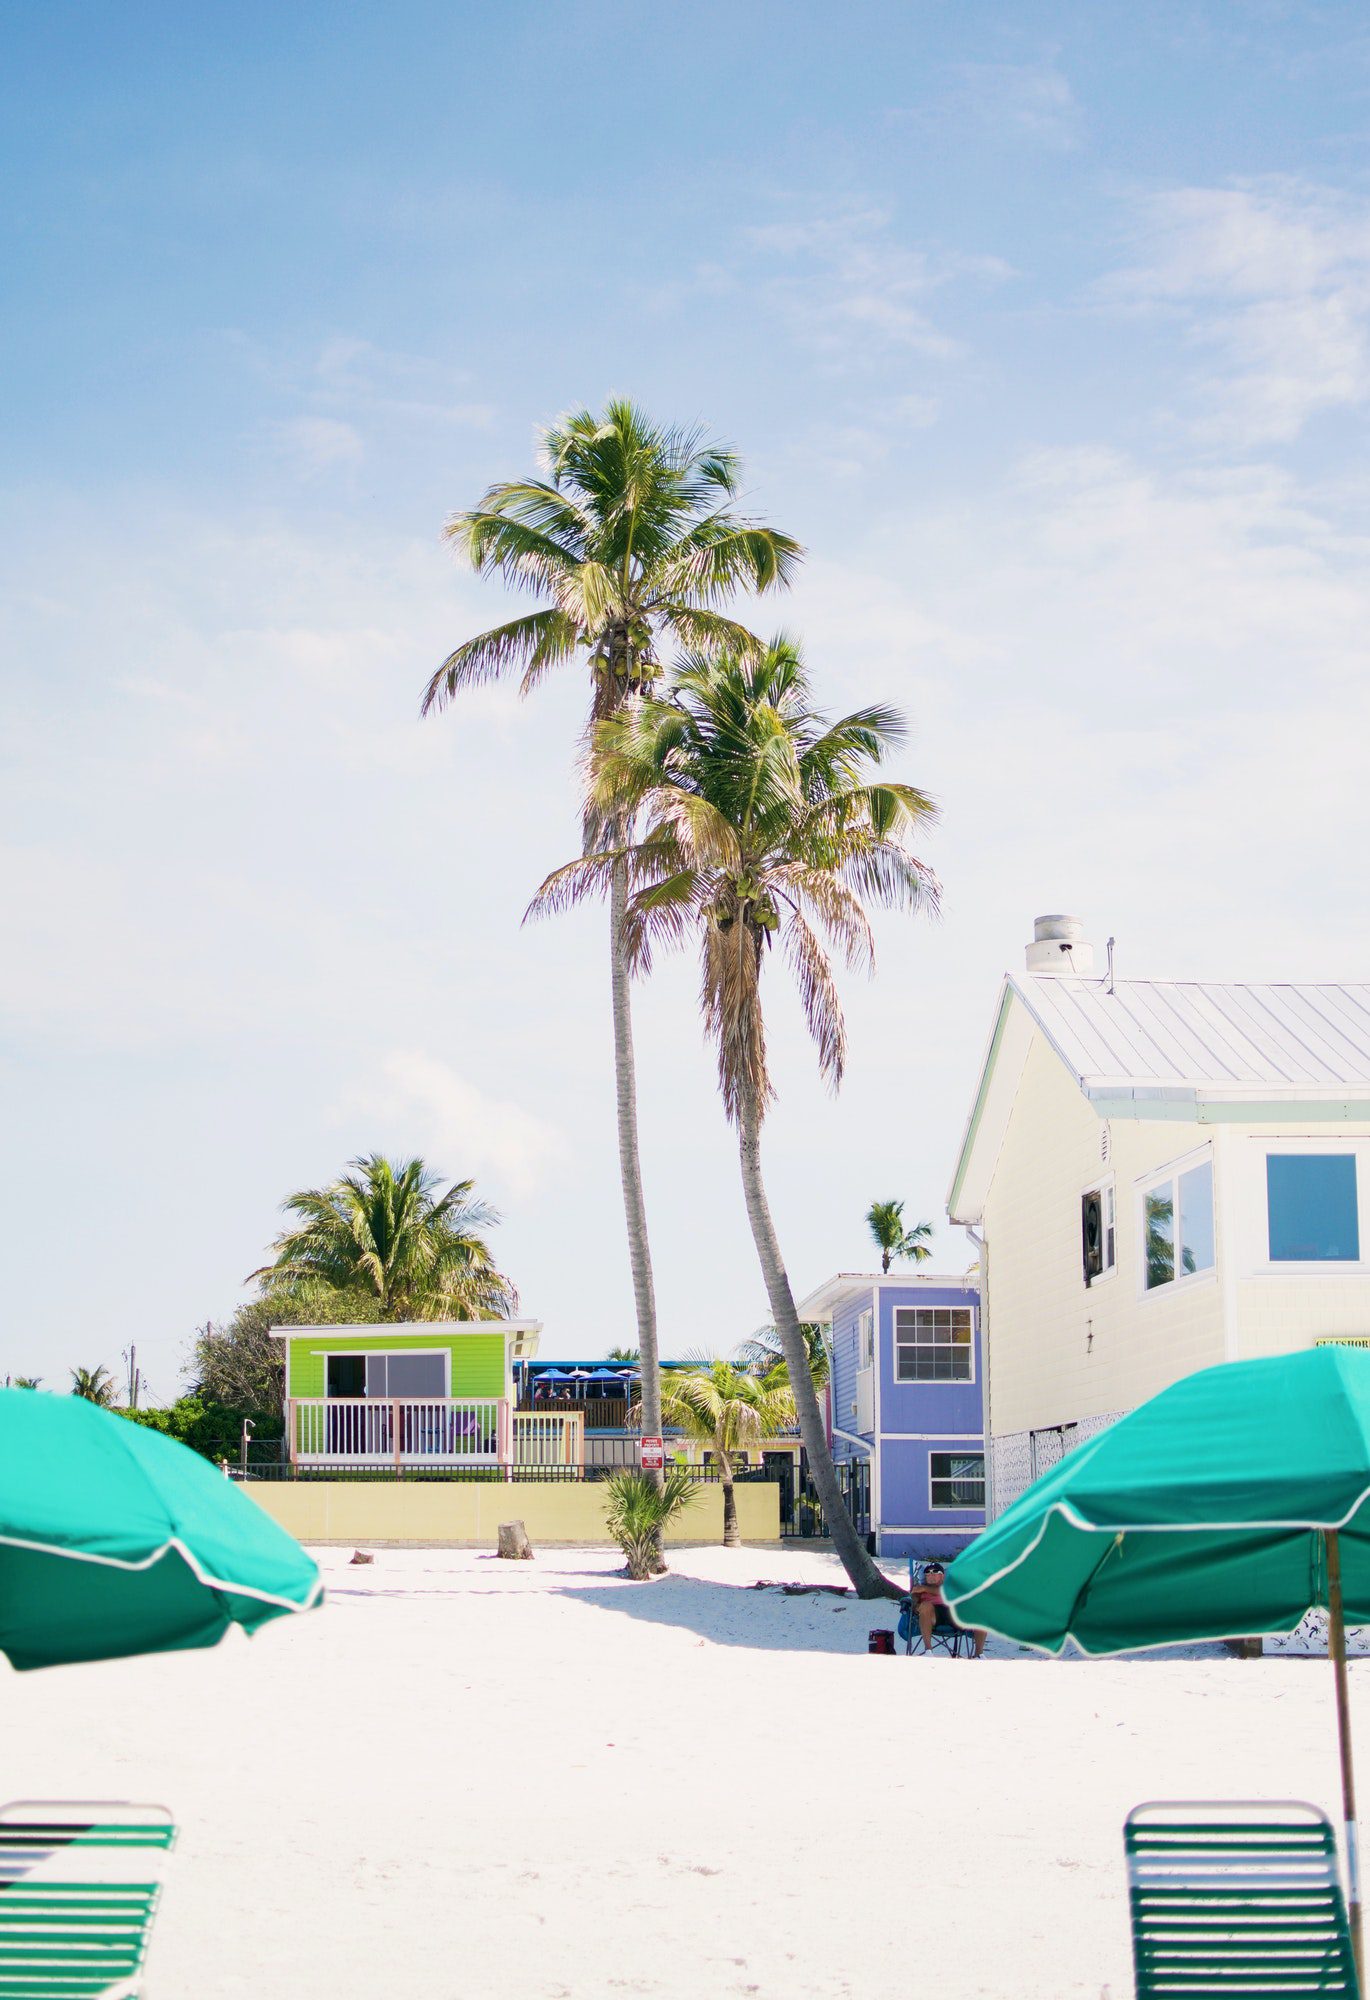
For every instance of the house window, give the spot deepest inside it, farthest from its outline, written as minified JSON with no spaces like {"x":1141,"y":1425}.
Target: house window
{"x":866,"y":1340}
{"x":1313,"y":1212}
{"x":1099,"y":1231}
{"x":956,"y":1478}
{"x":387,"y":1375}
{"x":933,"y":1344}
{"x":1177,"y":1226}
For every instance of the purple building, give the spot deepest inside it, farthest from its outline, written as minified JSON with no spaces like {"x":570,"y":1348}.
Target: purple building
{"x":906,"y":1406}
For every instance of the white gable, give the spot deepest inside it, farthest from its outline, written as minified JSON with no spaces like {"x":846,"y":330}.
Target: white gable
{"x":1152,"y":1048}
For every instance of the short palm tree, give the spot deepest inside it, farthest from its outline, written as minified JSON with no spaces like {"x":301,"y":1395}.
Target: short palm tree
{"x":638,"y":1510}
{"x":94,"y":1385}
{"x":727,"y":1409}
{"x":886,"y":1221}
{"x":630,"y":534}
{"x":763,"y":1354}
{"x":383,"y":1233}
{"x":760,"y":823}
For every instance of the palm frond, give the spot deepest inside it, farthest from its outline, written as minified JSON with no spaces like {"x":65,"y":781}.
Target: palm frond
{"x":535,"y":643}
{"x":818,"y":997}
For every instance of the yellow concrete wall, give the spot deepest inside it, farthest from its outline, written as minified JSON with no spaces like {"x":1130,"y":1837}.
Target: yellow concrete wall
{"x":467,"y":1513}
{"x":1044,"y":1368}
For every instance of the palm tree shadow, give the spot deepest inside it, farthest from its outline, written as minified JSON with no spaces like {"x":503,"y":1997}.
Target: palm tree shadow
{"x":731,"y":1614}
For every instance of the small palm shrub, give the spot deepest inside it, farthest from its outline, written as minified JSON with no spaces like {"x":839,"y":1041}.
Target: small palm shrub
{"x":638,"y":1512}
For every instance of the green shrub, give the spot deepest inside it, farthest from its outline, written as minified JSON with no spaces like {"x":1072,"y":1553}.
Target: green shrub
{"x":213,"y":1429}
{"x":638,"y":1512}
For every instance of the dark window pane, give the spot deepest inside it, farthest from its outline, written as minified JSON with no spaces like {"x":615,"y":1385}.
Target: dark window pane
{"x":1314,"y":1217}
{"x":346,"y":1375}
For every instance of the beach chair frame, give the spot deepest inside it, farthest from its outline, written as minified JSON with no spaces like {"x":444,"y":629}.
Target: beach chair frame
{"x":78,"y":1934}
{"x":1237,"y":1898}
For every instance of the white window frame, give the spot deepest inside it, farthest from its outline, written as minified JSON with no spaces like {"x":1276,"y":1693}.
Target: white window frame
{"x":930,"y":1381}
{"x":1103,"y":1184}
{"x":1310,"y":1267}
{"x":936,"y":1506}
{"x":365,"y":1353}
{"x":1182,"y":1281}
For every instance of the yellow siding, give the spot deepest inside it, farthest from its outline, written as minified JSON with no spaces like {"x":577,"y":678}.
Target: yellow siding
{"x":458,"y":1513}
{"x":1044,"y":1367}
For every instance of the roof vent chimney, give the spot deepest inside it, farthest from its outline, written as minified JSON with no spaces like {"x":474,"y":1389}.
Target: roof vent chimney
{"x":1058,"y":946}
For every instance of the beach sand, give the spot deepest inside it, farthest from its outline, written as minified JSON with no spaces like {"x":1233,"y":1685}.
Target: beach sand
{"x":465,"y":1778}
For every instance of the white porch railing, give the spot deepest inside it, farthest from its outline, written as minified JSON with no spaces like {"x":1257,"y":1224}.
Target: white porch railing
{"x":423,"y":1430}
{"x":551,"y":1437}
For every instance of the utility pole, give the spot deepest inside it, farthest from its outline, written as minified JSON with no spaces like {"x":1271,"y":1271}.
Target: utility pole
{"x":135,"y":1380}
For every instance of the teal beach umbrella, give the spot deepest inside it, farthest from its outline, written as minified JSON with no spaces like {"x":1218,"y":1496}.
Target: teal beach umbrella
{"x":115,"y":1540}
{"x":1228,"y":1506}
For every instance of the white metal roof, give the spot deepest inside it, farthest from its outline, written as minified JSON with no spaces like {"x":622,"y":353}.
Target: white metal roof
{"x":1202,"y":1035}
{"x":523,"y":1333}
{"x":1157,"y":1048}
{"x":820,"y":1303}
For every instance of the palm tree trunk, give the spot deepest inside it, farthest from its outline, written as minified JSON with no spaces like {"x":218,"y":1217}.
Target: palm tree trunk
{"x":630,"y":1163}
{"x":731,"y":1537}
{"x":865,"y":1577}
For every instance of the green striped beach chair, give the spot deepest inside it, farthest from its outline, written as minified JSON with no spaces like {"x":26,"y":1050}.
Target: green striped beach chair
{"x":1236,"y":1900}
{"x":78,"y":1891}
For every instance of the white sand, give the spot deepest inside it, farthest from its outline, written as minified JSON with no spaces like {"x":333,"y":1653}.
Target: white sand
{"x":466,"y":1778}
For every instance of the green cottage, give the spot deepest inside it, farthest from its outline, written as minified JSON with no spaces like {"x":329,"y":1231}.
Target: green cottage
{"x":428,"y":1393}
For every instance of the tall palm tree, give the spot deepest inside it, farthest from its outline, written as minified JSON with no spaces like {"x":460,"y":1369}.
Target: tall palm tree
{"x":94,"y":1385}
{"x":760,"y":823}
{"x":728,"y":1409}
{"x":630,"y":534}
{"x":382,"y":1233}
{"x":886,"y":1221}
{"x":763,"y":1354}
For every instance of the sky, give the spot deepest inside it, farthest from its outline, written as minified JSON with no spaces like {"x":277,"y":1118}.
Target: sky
{"x":1046,"y":329}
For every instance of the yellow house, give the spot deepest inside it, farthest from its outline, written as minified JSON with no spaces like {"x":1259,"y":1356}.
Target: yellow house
{"x":1161,"y":1175}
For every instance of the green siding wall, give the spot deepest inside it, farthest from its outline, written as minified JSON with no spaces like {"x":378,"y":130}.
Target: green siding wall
{"x":477,"y":1358}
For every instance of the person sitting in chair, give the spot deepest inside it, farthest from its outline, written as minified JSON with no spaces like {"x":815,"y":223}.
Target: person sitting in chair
{"x":928,"y":1601}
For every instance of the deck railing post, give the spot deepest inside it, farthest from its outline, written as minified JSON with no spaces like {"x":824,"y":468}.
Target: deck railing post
{"x":398,"y":1440}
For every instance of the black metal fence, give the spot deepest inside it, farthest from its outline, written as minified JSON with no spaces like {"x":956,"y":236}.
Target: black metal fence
{"x":494,"y":1475}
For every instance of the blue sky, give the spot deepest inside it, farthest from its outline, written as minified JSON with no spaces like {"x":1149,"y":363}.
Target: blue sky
{"x":1046,"y":328}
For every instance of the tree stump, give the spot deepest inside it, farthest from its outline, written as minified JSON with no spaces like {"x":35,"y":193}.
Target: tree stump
{"x":514,"y":1545}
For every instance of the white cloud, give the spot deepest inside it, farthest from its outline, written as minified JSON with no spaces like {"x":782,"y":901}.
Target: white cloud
{"x":1272,"y":278}
{"x":460,"y":1128}
{"x":315,"y":445}
{"x":850,"y":288}
{"x":1031,"y":101}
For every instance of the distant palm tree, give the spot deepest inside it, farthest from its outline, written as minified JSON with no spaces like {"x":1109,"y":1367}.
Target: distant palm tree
{"x":763,"y":1354}
{"x":384,"y":1234}
{"x":728,"y":1409}
{"x":756,"y":819}
{"x":627,"y":1355}
{"x":95,"y":1385}
{"x":25,"y":1381}
{"x":886,"y":1219}
{"x":630,"y":534}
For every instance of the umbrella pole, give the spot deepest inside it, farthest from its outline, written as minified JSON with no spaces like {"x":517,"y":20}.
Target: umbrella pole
{"x":1337,"y":1647}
